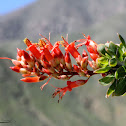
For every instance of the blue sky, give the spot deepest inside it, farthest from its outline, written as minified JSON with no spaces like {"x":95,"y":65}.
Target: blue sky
{"x":7,"y":6}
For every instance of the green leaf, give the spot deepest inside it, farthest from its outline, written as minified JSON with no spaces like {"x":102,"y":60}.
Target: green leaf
{"x":113,"y":62}
{"x":121,"y":72}
{"x":122,"y":47}
{"x":125,"y":61}
{"x":120,"y":87}
{"x":101,"y":49}
{"x":122,"y":40}
{"x":108,"y":56}
{"x":107,"y":80}
{"x":119,"y":54}
{"x":107,"y":44}
{"x":103,"y":60}
{"x":112,"y":49}
{"x":124,"y":54}
{"x":111,"y":89}
{"x":103,"y":70}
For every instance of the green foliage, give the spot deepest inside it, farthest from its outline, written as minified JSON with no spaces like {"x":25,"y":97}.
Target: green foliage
{"x":120,"y":88}
{"x":101,"y":49}
{"x":113,"y":63}
{"x":107,"y":80}
{"x":120,"y":72}
{"x":103,"y":69}
{"x":111,"y":89}
{"x":122,"y":40}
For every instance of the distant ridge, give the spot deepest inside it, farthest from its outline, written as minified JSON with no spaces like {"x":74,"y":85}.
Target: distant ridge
{"x":57,"y":16}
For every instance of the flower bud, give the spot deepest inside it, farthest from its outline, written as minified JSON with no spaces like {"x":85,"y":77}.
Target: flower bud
{"x":84,"y":63}
{"x":68,"y":61}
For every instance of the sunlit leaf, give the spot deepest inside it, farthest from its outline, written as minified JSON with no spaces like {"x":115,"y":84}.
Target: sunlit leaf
{"x":101,"y":49}
{"x":103,"y":70}
{"x":122,"y":40}
{"x":121,"y":72}
{"x":124,"y":54}
{"x":113,"y":62}
{"x":102,"y":60}
{"x":111,"y":89}
{"x":119,"y":54}
{"x":112,"y":49}
{"x":107,"y":80}
{"x":120,"y":87}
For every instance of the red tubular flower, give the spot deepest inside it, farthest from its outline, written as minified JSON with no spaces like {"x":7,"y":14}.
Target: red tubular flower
{"x":19,"y":54}
{"x":68,"y":61}
{"x":30,"y":79}
{"x":27,"y":42}
{"x":34,"y":79}
{"x":26,"y":56}
{"x":65,"y":42}
{"x":34,"y":51}
{"x":77,"y":83}
{"x":91,"y":47}
{"x":94,"y":56}
{"x":48,"y":44}
{"x":15,"y":69}
{"x":16,"y":63}
{"x":90,"y":43}
{"x":84,"y":63}
{"x":47,"y":54}
{"x":19,"y":70}
{"x":28,"y":59}
{"x":73,"y":51}
{"x":84,"y":54}
{"x":71,"y":85}
{"x":46,"y":61}
{"x":91,"y":50}
{"x":57,"y":54}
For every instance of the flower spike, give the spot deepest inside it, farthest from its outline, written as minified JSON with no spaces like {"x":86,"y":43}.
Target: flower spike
{"x":43,"y":60}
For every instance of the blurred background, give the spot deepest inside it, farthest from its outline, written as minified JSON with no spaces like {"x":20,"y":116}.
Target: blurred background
{"x":25,"y":104}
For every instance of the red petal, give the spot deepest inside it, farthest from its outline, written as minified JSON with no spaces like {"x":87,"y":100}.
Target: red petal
{"x":77,"y":83}
{"x":16,"y":63}
{"x":30,"y":79}
{"x":73,"y":51}
{"x":34,"y":51}
{"x":26,"y":56}
{"x":84,"y":53}
{"x":67,"y":57}
{"x":15,"y":69}
{"x":47,"y":54}
{"x":94,"y":56}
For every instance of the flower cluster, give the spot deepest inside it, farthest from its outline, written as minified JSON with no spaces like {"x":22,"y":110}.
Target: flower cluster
{"x":43,"y":60}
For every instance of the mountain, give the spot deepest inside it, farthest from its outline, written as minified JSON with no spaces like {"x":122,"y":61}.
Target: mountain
{"x":25,"y":104}
{"x":57,"y":16}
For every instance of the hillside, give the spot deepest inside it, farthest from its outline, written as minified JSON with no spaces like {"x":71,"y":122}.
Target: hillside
{"x":25,"y":104}
{"x":57,"y":17}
